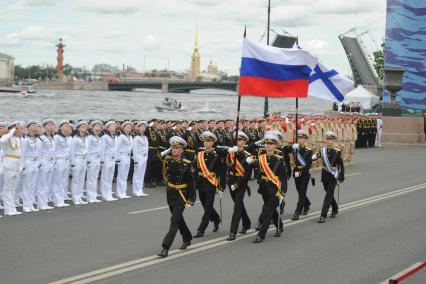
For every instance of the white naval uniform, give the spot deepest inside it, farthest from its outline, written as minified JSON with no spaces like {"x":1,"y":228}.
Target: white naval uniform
{"x":379,"y":124}
{"x":140,"y":157}
{"x":1,"y":173}
{"x":78,"y":157}
{"x":93,"y":166}
{"x":124,"y":148}
{"x":45,"y":179}
{"x":108,"y":152}
{"x":61,"y":170}
{"x":30,"y":155}
{"x":12,"y":165}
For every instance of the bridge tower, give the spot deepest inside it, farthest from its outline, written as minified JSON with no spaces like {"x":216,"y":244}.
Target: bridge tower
{"x":194,"y":72}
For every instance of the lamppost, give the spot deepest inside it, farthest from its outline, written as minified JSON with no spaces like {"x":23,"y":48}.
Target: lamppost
{"x":393,"y":84}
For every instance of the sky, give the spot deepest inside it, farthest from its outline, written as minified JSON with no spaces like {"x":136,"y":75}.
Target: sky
{"x":160,"y":34}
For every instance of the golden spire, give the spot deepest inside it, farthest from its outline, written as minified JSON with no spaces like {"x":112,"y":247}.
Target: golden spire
{"x":196,"y":35}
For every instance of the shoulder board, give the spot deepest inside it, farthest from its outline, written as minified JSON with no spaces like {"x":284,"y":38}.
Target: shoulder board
{"x":247,"y":153}
{"x":278,"y":156}
{"x":309,"y":149}
{"x":186,"y":161}
{"x":337,"y":150}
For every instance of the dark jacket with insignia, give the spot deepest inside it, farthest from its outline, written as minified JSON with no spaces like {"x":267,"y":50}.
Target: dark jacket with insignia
{"x":179,"y":173}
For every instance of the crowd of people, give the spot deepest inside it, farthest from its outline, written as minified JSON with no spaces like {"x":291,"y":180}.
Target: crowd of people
{"x":46,"y":165}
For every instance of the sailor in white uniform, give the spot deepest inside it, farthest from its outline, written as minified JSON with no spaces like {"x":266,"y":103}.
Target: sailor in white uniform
{"x":93,"y":160}
{"x":108,"y":159}
{"x":3,"y":131}
{"x":140,"y":157}
{"x":62,"y":143}
{"x":30,"y":155}
{"x":78,"y":158}
{"x":124,"y":145}
{"x":47,"y":163}
{"x":12,"y":166}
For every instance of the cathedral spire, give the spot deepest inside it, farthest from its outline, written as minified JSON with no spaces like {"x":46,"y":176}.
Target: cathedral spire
{"x":196,"y":35}
{"x":195,"y":70}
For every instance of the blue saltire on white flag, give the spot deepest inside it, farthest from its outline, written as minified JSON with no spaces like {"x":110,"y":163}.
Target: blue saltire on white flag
{"x":326,"y":83}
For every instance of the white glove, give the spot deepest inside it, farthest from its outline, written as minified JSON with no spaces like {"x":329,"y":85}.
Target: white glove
{"x":281,"y":199}
{"x":249,"y":160}
{"x":233,"y":187}
{"x":187,"y":205}
{"x":314,"y":157}
{"x":257,"y":143}
{"x":220,"y":194}
{"x":295,"y":146}
{"x":165,"y":152}
{"x":189,"y":129}
{"x":232,"y":149}
{"x":296,"y":174}
{"x":151,"y":124}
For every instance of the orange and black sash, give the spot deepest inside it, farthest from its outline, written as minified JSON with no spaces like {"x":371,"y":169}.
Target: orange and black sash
{"x":240,"y":169}
{"x":270,"y":174}
{"x":209,"y":176}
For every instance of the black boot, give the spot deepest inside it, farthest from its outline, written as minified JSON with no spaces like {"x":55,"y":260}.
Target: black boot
{"x":163,"y":253}
{"x":216,"y":225}
{"x":149,"y":184}
{"x":231,"y":237}
{"x":257,"y":240}
{"x":244,"y":230}
{"x":295,"y":217}
{"x":199,"y":234}
{"x":277,"y":233}
{"x":161,"y":183}
{"x":333,"y":214}
{"x":185,"y":245}
{"x":321,"y":220}
{"x":305,"y":211}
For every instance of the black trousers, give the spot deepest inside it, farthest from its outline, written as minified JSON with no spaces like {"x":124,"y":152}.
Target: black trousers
{"x":329,"y":184}
{"x":275,"y":216}
{"x":269,"y":211}
{"x":151,"y":166}
{"x":177,"y":222}
{"x":210,"y":214}
{"x":302,"y":183}
{"x":240,"y":212}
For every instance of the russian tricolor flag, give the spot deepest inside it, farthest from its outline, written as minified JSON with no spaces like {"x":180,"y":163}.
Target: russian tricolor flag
{"x":268,"y":71}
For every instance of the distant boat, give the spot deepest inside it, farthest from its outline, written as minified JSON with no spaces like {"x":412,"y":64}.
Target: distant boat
{"x":169,"y":105}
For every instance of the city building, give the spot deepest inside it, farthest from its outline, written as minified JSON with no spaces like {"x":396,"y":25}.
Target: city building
{"x":6,"y":70}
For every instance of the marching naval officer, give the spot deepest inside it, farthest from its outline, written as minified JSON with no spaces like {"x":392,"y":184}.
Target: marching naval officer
{"x":239,"y":173}
{"x":211,"y":179}
{"x":333,"y":172}
{"x":3,"y":131}
{"x":30,"y":161}
{"x":78,"y":159}
{"x":62,"y":141}
{"x":93,"y":160}
{"x":108,"y":152}
{"x":178,"y":173}
{"x":12,"y":166}
{"x":124,"y":143}
{"x":47,"y":163}
{"x":301,"y":173}
{"x":272,"y":178}
{"x":140,"y":157}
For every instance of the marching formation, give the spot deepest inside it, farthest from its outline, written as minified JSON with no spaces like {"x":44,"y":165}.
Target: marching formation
{"x":49,"y":163}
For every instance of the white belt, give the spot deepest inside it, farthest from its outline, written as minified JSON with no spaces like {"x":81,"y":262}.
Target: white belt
{"x":62,"y":158}
{"x":124,"y":154}
{"x":48,"y":158}
{"x":81,"y":157}
{"x":33,"y":159}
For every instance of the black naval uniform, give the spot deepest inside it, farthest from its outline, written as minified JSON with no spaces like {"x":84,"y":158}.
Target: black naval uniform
{"x":229,"y":141}
{"x":302,"y":181}
{"x":190,"y":138}
{"x":180,"y":191}
{"x":153,"y":157}
{"x":207,"y":190}
{"x":329,"y":181}
{"x":239,"y":179}
{"x":271,"y":194}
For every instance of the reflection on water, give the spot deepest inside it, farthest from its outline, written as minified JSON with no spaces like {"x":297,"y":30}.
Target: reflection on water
{"x":211,"y":104}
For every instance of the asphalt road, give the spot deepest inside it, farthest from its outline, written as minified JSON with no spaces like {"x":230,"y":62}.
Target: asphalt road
{"x":376,"y":235}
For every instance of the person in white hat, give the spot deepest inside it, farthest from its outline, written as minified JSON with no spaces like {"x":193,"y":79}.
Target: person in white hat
{"x":180,"y":193}
{"x":210,"y":178}
{"x":333,"y":172}
{"x":12,"y":166}
{"x":30,"y":154}
{"x":3,"y":131}
{"x":140,"y":158}
{"x":93,"y":160}
{"x":108,"y":159}
{"x":78,"y":160}
{"x":272,"y":185}
{"x":62,"y":141}
{"x":47,"y":162}
{"x":124,"y":143}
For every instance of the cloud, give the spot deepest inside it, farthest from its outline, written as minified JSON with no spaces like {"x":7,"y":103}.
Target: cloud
{"x":109,"y":7}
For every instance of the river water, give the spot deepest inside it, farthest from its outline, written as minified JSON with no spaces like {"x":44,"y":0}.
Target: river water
{"x":208,"y":104}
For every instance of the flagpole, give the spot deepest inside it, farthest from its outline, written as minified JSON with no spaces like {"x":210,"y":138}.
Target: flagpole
{"x":266,"y":106}
{"x":238,"y":108}
{"x":297,"y":105}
